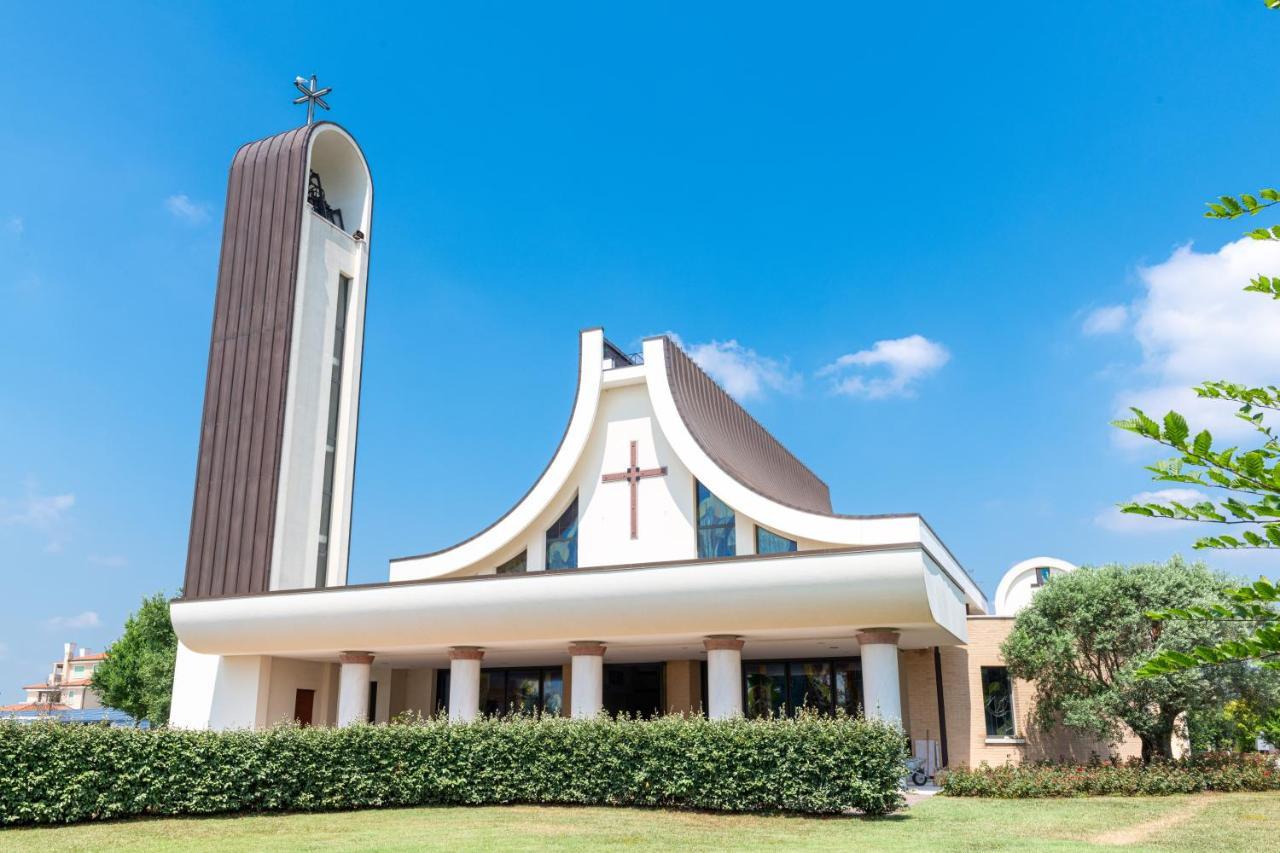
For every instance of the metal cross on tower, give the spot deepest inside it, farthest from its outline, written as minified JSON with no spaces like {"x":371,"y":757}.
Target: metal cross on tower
{"x":633,"y":475}
{"x":311,"y":96}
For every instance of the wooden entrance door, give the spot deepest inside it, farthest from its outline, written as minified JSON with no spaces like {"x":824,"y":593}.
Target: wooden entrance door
{"x":304,"y":703}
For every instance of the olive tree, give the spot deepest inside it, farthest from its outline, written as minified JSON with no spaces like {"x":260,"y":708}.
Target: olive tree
{"x":1085,"y":636}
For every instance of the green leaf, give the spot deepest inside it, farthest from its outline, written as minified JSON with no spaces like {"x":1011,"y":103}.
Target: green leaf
{"x":1253,"y":464}
{"x":1175,"y":429}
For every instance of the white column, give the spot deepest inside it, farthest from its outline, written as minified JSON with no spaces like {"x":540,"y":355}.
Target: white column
{"x":881,"y":689}
{"x":464,"y":683}
{"x":586,"y":682}
{"x":724,"y":677}
{"x":353,"y":688}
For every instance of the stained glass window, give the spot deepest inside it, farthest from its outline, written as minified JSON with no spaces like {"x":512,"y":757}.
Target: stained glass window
{"x":562,"y":540}
{"x":768,"y":542}
{"x":514,"y":566}
{"x":997,"y":701}
{"x":716,"y":528}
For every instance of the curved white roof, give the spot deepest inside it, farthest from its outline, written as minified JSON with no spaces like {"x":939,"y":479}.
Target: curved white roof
{"x":720,"y":445}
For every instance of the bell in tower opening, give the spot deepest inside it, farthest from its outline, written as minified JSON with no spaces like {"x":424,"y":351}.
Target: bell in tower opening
{"x":276,"y":463}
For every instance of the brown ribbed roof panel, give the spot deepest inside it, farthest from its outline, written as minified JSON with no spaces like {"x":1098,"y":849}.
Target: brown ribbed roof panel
{"x":736,"y":442}
{"x":242,"y":432}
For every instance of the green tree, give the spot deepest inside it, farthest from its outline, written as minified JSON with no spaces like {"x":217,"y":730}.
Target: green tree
{"x":1246,"y":485}
{"x":1083,"y":638}
{"x":137,"y":676}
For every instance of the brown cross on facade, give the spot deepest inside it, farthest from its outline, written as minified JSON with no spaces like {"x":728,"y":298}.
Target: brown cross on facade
{"x":633,"y":475}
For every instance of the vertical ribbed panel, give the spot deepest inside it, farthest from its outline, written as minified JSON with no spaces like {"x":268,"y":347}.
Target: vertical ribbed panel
{"x":736,"y":442}
{"x":242,"y":431}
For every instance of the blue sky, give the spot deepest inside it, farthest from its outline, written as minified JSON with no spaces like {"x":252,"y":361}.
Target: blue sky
{"x":934,"y":248}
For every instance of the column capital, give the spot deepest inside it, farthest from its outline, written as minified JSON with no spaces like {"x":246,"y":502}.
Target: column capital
{"x":723,"y":642}
{"x":877,"y":636}
{"x":466,"y":653}
{"x":586,"y":647}
{"x":356,"y":657}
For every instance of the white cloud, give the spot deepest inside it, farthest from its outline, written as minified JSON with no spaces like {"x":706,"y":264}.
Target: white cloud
{"x":182,"y":207}
{"x":741,"y":371}
{"x":1116,"y":521}
{"x":1195,"y":324}
{"x":87,"y":619}
{"x":905,"y":361}
{"x":111,"y":561}
{"x":36,"y":511}
{"x":1106,"y":320}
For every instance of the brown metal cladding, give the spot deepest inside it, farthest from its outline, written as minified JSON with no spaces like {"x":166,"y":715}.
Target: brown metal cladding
{"x":242,"y":431}
{"x":737,"y":442}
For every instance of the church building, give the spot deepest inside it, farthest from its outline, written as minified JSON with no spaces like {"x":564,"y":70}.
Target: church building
{"x":672,"y":557}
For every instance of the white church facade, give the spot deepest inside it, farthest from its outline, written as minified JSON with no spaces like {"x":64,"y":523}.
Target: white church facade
{"x":672,"y":557}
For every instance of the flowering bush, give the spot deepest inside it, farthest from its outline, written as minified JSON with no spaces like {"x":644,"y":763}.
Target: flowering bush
{"x":1213,"y":771}
{"x":52,"y":773}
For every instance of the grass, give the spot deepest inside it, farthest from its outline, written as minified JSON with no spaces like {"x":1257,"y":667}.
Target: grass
{"x":1196,"y":822}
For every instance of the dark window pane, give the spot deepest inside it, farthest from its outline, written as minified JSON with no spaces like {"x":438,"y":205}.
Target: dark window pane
{"x":515,"y":565}
{"x":810,"y":685}
{"x":766,"y":689}
{"x":562,"y":540}
{"x":523,"y":690}
{"x":997,"y":701}
{"x":442,"y":691}
{"x":553,"y":692}
{"x":493,"y":692}
{"x":768,"y":542}
{"x":848,"y":687}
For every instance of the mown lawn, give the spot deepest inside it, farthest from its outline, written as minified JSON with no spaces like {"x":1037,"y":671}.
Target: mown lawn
{"x":1199,"y":822}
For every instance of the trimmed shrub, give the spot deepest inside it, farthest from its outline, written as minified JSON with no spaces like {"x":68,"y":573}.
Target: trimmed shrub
{"x":1216,"y":771}
{"x":52,"y":773}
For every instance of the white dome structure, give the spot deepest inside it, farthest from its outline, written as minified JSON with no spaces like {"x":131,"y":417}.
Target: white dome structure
{"x":1021,"y":582}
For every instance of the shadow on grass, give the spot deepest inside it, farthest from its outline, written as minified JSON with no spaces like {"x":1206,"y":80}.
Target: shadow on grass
{"x":896,"y":817}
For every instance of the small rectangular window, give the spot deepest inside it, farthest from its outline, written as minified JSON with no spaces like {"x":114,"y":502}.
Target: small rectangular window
{"x":997,"y":701}
{"x":768,"y":542}
{"x":1042,"y":576}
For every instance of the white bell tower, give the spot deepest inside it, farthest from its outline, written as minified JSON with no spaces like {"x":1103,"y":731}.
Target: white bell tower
{"x":274,"y":478}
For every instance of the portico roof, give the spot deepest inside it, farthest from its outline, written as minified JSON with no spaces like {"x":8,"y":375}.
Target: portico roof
{"x":779,"y":598}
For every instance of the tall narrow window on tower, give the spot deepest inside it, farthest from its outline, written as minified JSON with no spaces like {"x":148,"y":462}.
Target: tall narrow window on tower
{"x":331,"y":435}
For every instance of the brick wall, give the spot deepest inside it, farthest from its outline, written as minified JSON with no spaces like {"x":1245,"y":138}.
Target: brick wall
{"x":967,"y":742}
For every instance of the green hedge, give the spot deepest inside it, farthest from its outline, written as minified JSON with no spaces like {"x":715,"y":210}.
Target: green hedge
{"x":1219,"y":771}
{"x":53,"y":773}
